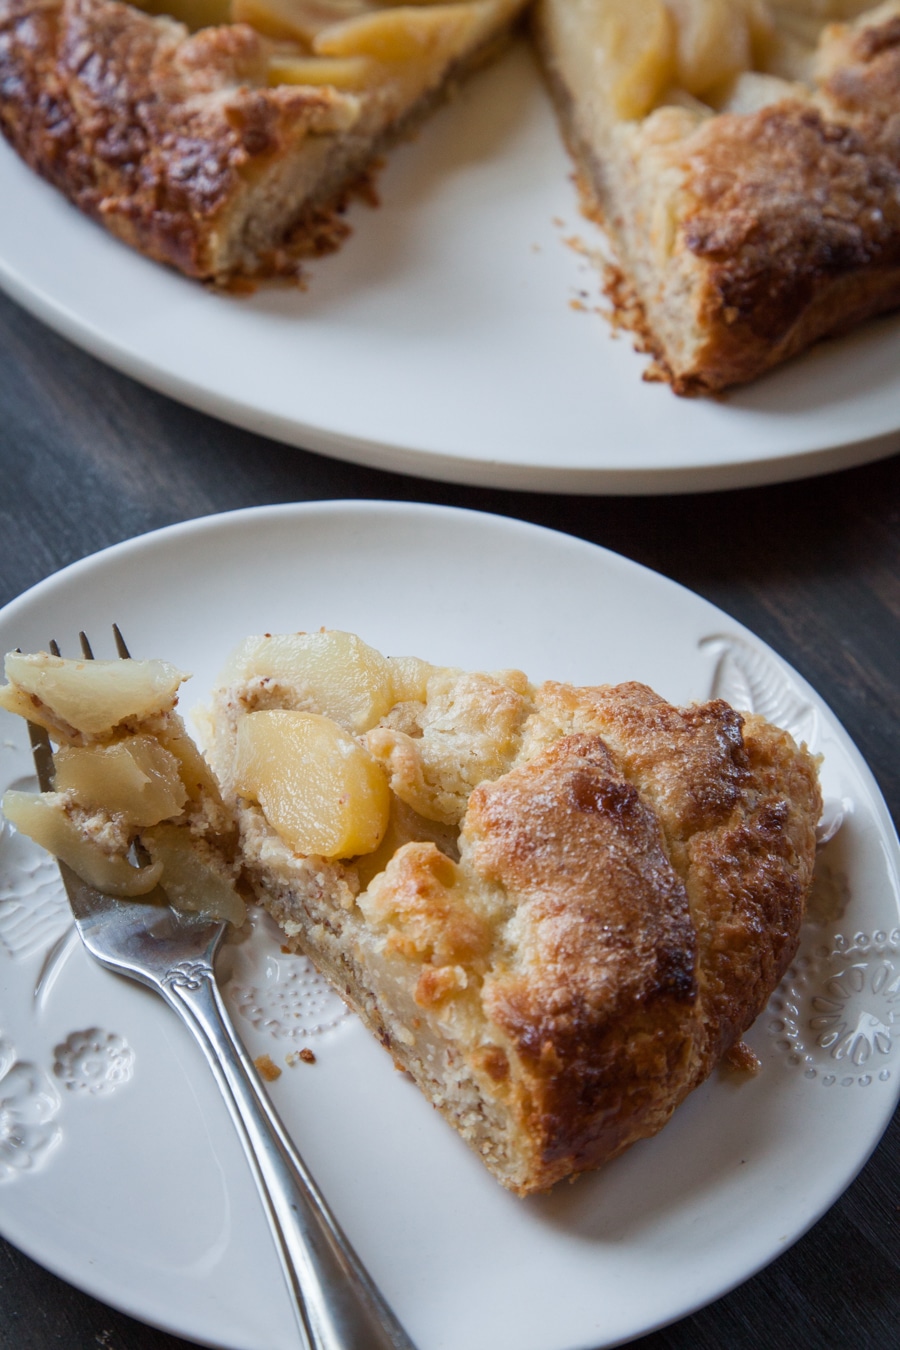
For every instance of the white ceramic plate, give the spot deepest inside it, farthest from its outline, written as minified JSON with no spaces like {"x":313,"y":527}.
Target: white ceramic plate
{"x":136,"y":1188}
{"x":455,"y":335}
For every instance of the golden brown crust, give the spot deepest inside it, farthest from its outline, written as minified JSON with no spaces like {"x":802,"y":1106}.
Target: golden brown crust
{"x":658,"y":864}
{"x":152,"y":131}
{"x":798,"y":220}
{"x":691,"y":761}
{"x":600,"y":1005}
{"x":860,"y":74}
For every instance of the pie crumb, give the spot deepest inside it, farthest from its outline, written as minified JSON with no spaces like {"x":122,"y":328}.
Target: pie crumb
{"x":742,"y":1058}
{"x":266,"y":1069}
{"x":306,"y":1055}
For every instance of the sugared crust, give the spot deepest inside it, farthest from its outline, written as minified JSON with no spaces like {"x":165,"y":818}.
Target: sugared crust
{"x":658,"y":867}
{"x":154,"y":132}
{"x":752,"y":877}
{"x":797,"y":218}
{"x":860,"y":74}
{"x":600,"y":1002}
{"x":690,"y":762}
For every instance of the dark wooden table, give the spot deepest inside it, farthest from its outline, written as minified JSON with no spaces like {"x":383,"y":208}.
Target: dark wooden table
{"x":89,"y":458}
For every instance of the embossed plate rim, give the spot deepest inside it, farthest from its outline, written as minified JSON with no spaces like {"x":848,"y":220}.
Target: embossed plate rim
{"x":487,"y":591}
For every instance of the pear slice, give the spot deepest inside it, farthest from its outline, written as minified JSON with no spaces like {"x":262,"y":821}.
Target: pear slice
{"x":319,"y":789}
{"x":134,"y":777}
{"x":713,"y":43}
{"x":343,"y":72}
{"x":332,"y":673}
{"x":622,"y":55}
{"x":300,"y":20}
{"x":402,"y":32}
{"x":192,"y":883}
{"x":90,"y":697}
{"x":43,"y":818}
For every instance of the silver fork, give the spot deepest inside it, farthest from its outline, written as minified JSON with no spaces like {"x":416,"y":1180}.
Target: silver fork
{"x":338,"y":1307}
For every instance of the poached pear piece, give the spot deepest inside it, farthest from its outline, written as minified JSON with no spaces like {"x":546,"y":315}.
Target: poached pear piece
{"x":127,"y":779}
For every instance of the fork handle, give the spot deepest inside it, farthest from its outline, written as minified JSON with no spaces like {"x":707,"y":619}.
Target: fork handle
{"x":338,"y":1306}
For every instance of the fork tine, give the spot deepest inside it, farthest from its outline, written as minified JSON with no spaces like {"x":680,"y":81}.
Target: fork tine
{"x":122,"y":650}
{"x":43,"y":756}
{"x":41,"y":749}
{"x":86,"y":650}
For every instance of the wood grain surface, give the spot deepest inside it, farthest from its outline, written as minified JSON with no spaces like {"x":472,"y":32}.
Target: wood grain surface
{"x":89,"y":458}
